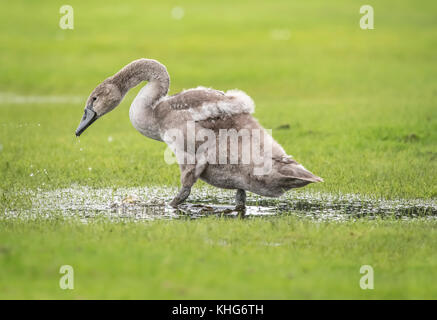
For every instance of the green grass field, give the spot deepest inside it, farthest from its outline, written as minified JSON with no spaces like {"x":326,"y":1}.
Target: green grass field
{"x":228,"y":259}
{"x":361,"y":111}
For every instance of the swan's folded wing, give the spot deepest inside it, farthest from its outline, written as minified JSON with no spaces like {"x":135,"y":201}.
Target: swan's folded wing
{"x":203,"y":103}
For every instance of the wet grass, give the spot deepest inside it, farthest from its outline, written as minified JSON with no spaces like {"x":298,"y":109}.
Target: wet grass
{"x":355,"y":107}
{"x":151,"y":203}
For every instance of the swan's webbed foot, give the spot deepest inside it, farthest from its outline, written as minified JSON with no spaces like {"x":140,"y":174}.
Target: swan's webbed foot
{"x":181,"y":196}
{"x":240,"y":200}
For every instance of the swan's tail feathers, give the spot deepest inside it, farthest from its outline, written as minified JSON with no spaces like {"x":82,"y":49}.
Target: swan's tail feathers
{"x":298,"y":172}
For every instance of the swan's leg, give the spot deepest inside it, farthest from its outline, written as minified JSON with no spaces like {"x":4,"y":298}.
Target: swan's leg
{"x":189,"y":175}
{"x":181,"y":196}
{"x":240,"y":199}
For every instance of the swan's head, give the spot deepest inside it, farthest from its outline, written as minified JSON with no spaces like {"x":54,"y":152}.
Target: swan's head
{"x":104,"y":98}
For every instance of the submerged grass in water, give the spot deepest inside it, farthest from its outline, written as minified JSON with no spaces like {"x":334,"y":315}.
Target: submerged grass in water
{"x":149,"y":203}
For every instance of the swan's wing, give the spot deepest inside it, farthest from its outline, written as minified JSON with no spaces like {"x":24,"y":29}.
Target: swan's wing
{"x":202,"y":103}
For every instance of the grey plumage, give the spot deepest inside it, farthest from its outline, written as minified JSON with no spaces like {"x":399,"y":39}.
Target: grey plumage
{"x":153,"y":113}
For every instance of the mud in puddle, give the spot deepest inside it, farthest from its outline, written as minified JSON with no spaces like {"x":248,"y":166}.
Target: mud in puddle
{"x":150,"y":203}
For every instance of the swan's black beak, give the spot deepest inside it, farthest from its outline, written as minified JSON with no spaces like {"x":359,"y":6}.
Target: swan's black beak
{"x":88,"y":118}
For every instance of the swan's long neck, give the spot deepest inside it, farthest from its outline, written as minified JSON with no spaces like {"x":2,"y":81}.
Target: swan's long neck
{"x":141,"y":112}
{"x":144,"y":70}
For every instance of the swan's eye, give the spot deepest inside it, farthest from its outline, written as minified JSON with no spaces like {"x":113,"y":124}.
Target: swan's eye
{"x":94,"y":98}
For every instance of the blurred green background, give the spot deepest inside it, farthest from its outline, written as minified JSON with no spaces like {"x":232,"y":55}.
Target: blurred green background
{"x":360,"y":103}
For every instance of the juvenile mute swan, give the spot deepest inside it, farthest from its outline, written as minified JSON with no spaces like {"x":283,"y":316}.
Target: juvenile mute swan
{"x":257,"y":164}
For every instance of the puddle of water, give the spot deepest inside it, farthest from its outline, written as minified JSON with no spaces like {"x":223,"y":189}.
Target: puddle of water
{"x":150,"y":203}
